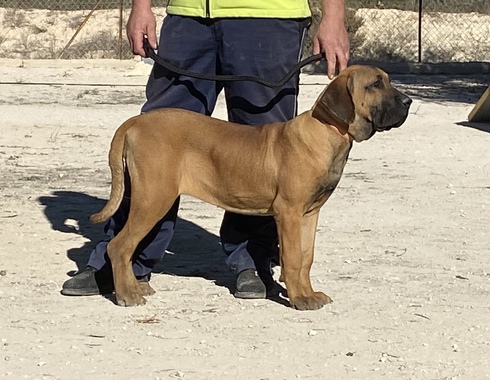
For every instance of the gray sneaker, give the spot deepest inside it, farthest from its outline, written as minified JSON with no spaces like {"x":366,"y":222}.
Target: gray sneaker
{"x":92,"y":282}
{"x":252,"y":285}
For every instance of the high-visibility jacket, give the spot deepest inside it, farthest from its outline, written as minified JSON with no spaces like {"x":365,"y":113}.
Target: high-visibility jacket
{"x":240,"y":8}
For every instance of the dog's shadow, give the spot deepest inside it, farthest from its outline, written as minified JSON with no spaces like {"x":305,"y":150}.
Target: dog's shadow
{"x":193,"y":252}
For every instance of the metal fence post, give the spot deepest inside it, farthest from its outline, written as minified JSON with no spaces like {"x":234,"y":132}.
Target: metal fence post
{"x":420,"y":32}
{"x":121,"y":5}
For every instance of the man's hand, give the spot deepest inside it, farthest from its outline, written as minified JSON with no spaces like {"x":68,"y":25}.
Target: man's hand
{"x":331,"y":37}
{"x":141,"y":23}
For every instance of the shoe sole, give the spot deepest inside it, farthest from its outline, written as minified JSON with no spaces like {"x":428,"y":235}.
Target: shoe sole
{"x":251,"y":295}
{"x":87,"y":292}
{"x":82,"y":293}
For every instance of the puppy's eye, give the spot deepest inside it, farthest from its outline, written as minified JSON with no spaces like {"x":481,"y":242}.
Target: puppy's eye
{"x":376,"y":84}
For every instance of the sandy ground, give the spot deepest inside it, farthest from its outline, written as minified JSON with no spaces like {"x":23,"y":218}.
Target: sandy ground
{"x":402,"y":248}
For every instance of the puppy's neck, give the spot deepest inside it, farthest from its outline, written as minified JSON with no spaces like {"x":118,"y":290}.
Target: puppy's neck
{"x":341,"y":132}
{"x":320,"y":112}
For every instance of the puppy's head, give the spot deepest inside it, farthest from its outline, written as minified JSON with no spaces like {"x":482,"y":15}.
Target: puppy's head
{"x":362,"y":101}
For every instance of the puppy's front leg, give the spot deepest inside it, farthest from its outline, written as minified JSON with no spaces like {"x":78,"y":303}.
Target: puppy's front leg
{"x":297,"y":239}
{"x":309,"y":224}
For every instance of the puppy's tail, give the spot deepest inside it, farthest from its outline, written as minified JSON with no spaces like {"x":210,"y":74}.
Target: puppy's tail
{"x":117,"y":165}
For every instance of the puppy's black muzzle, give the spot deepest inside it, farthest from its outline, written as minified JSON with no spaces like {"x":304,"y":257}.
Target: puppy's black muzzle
{"x":392,"y":113}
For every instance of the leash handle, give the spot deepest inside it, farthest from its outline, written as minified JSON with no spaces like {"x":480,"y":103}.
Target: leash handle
{"x":228,"y":78}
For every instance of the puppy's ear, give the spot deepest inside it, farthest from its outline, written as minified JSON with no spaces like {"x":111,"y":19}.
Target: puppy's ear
{"x":336,"y":101}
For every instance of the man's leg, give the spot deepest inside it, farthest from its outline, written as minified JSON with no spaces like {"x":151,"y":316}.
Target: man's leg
{"x":190,"y":44}
{"x":267,"y":48}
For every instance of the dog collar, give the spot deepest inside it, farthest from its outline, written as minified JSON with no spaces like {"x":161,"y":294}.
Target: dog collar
{"x":321,"y":113}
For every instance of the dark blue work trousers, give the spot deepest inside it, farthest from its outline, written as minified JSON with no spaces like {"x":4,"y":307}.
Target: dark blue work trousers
{"x":267,"y":48}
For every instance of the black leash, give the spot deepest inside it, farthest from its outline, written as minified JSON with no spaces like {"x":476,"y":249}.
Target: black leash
{"x":151,"y":53}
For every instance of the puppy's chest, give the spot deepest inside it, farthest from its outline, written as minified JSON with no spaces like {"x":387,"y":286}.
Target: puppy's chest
{"x":327,"y":182}
{"x":330,"y":181}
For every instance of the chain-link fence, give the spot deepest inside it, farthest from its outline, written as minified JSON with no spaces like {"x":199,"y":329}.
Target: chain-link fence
{"x":420,"y":30}
{"x":380,"y":30}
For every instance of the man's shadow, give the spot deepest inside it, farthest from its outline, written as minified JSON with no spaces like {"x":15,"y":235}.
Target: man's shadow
{"x":193,"y":252}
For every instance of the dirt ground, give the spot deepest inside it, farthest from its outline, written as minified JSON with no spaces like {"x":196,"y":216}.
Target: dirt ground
{"x":402,"y":247}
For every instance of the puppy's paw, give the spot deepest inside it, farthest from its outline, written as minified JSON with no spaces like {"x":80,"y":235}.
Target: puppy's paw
{"x":146,"y":289}
{"x":314,"y":302}
{"x":130,"y":299}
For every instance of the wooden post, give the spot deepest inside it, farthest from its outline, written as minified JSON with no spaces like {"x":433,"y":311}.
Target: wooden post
{"x":481,"y":110}
{"x":80,"y":28}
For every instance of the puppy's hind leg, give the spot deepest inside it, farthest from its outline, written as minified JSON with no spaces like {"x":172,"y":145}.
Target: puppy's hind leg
{"x":147,"y":208}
